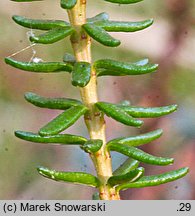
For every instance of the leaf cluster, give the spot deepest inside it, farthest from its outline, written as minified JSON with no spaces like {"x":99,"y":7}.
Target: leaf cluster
{"x":129,"y":174}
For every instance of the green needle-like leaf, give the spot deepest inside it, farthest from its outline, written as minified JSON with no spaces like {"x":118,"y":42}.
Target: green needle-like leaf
{"x":51,"y":103}
{"x":71,"y":177}
{"x":100,"y":35}
{"x":63,"y":121}
{"x":92,"y":146}
{"x":138,"y":140}
{"x":81,"y":74}
{"x":42,"y":67}
{"x":127,"y":175}
{"x":123,"y":1}
{"x":68,"y":4}
{"x":131,"y":176}
{"x":98,"y":17}
{"x":67,"y":139}
{"x":105,"y":72}
{"x":118,"y":114}
{"x":127,"y":166}
{"x":140,"y":155}
{"x":154,"y":180}
{"x":39,"y":24}
{"x":115,"y":68}
{"x":148,"y":112}
{"x":117,"y":26}
{"x":53,"y":35}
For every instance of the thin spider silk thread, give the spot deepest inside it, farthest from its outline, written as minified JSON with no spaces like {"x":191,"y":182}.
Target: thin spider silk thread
{"x":33,"y":58}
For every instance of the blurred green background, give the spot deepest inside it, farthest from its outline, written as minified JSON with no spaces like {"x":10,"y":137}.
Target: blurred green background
{"x":169,"y":42}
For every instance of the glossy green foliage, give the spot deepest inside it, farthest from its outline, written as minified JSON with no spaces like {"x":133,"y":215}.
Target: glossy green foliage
{"x":117,"y":26}
{"x":100,"y":35}
{"x":92,"y":146}
{"x":127,"y":166}
{"x":68,"y":4}
{"x":123,"y":1}
{"x":107,"y":67}
{"x":72,"y":177}
{"x":128,"y":174}
{"x":99,"y":17}
{"x":154,"y":180}
{"x":57,"y":29}
{"x":67,"y":139}
{"x":51,"y":103}
{"x":98,"y":26}
{"x":52,"y":35}
{"x":39,"y":24}
{"x":81,"y":74}
{"x":140,"y":155}
{"x":63,"y":121}
{"x":131,"y":176}
{"x":148,"y":112}
{"x":138,"y":140}
{"x":42,"y":67}
{"x":118,"y":114}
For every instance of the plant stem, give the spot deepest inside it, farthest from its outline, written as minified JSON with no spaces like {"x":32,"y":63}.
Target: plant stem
{"x":94,"y":119}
